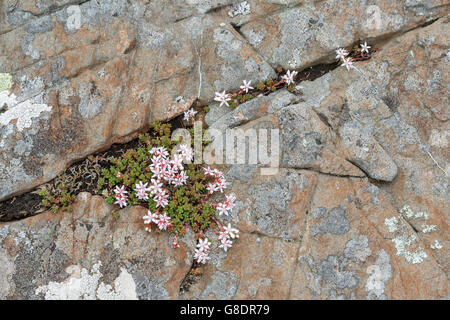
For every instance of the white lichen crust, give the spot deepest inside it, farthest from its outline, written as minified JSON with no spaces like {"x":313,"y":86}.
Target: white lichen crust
{"x":82,"y":285}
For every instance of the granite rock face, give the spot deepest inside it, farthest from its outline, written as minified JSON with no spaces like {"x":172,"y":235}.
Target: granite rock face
{"x":89,"y":254}
{"x":357,"y":208}
{"x":90,"y":75}
{"x":308,"y":33}
{"x":338,"y":246}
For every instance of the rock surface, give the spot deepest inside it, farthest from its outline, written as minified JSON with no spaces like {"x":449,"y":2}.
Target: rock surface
{"x":80,"y":88}
{"x":358,"y":208}
{"x":89,"y":254}
{"x":310,"y":32}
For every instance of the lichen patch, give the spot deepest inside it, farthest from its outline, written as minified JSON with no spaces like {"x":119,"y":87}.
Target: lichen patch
{"x":5,"y":82}
{"x":85,"y":285}
{"x":23,"y":111}
{"x":404,"y":241}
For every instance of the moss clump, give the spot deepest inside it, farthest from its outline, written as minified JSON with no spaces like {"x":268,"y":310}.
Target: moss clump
{"x":62,"y":191}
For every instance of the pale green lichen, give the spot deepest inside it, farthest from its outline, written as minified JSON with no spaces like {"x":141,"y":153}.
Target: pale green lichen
{"x":406,"y":211}
{"x":402,"y":240}
{"x":23,"y":111}
{"x":5,"y":82}
{"x":379,"y":274}
{"x":428,"y":228}
{"x":436,"y":245}
{"x":391,"y":223}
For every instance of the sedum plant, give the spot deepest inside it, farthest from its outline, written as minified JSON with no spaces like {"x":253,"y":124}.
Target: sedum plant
{"x":160,"y":176}
{"x":288,"y":80}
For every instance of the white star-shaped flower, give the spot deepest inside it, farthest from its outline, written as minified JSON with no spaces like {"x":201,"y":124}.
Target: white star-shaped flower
{"x":232,"y":232}
{"x":348,"y":63}
{"x":223,"y":98}
{"x":341,"y":53}
{"x":225,"y":244}
{"x":289,"y":77}
{"x":189,"y":114}
{"x":365,"y":47}
{"x":246,"y":86}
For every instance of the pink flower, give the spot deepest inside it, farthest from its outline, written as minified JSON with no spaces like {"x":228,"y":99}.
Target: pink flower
{"x":160,"y":167}
{"x":141,"y":191}
{"x":232,"y":232}
{"x":189,"y":114}
{"x":201,"y":256}
{"x":148,"y":218}
{"x":347,"y":63}
{"x":155,"y":187}
{"x":225,"y":244}
{"x":221,"y":184}
{"x":217,"y":173}
{"x":365,"y":47}
{"x":177,"y":162}
{"x":223,"y":236}
{"x":155,"y":218}
{"x":230,"y":201}
{"x":180,"y":179}
{"x":159,"y":152}
{"x":186,"y":152}
{"x":211,"y":188}
{"x":208,"y":171}
{"x":231,"y":197}
{"x":202,"y":251}
{"x":226,"y":206}
{"x":169,"y":174}
{"x":175,"y":243}
{"x":120,"y":191}
{"x":341,"y":53}
{"x":157,"y":171}
{"x":121,"y":200}
{"x":203,"y":244}
{"x":223,"y":98}
{"x":164,"y":222}
{"x":161,"y":199}
{"x":222,"y":208}
{"x":152,"y":217}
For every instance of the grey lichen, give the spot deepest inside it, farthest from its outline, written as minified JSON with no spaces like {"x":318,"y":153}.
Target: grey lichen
{"x":357,"y":249}
{"x":333,"y":271}
{"x":379,"y":273}
{"x":242,"y":8}
{"x":335,"y":223}
{"x":223,"y":286}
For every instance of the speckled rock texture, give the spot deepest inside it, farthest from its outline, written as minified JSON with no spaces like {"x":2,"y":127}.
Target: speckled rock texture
{"x":89,"y":254}
{"x":78,"y":89}
{"x":358,"y":208}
